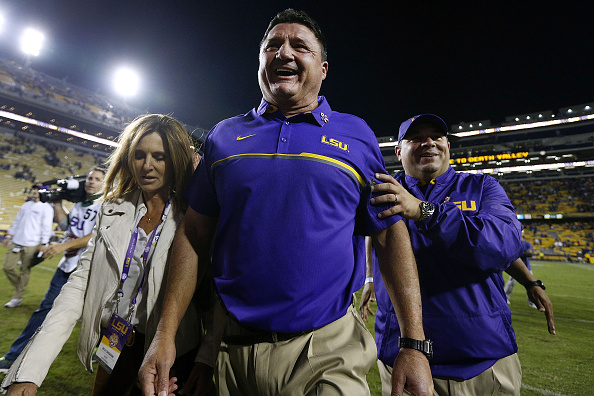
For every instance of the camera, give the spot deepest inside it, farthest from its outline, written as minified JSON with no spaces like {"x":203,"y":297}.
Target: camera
{"x":71,"y":189}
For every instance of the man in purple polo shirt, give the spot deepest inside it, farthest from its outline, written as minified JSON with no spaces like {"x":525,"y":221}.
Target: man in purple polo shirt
{"x":464,"y":233}
{"x":280,"y":203}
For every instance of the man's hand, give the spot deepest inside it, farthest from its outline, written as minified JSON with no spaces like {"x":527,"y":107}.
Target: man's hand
{"x":536,"y":294}
{"x":539,"y":297}
{"x":367,"y":297}
{"x":154,"y":372}
{"x":405,"y":204}
{"x":199,"y":382}
{"x":411,"y":372}
{"x":6,"y":241}
{"x":22,"y":389}
{"x":52,"y":250}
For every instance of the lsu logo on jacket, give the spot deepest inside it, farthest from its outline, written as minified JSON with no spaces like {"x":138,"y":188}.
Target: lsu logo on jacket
{"x":466,"y":205}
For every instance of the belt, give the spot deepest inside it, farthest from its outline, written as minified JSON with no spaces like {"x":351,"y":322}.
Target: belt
{"x":259,"y":336}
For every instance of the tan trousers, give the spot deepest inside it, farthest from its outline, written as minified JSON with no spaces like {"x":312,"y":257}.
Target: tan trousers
{"x":19,"y":279}
{"x":332,"y":360}
{"x":503,"y":378}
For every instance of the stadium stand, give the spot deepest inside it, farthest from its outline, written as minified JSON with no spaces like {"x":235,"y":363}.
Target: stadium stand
{"x":47,"y":91}
{"x":26,"y":161}
{"x":51,"y":129}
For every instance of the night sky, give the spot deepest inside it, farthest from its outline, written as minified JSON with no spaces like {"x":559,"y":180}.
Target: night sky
{"x":387,"y":60}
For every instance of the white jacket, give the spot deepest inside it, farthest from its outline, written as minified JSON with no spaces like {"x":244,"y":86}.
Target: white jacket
{"x":33,"y":224}
{"x":92,"y":286}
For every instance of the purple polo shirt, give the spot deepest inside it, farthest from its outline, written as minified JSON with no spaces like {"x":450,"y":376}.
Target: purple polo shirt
{"x":292,"y":201}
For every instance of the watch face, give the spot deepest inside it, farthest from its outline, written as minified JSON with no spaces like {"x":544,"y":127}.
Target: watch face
{"x":427,"y":210}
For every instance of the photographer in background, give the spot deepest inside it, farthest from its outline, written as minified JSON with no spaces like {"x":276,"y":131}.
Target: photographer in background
{"x":78,"y":226}
{"x":30,"y":230}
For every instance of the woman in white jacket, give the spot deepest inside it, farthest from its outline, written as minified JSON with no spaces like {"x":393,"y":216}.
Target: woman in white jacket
{"x":120,"y":274}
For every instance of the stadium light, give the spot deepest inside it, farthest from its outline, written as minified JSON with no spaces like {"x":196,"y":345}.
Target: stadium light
{"x":31,"y":42}
{"x":126,"y":82}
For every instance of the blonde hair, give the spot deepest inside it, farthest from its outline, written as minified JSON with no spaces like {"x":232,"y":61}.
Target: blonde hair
{"x":120,"y":180}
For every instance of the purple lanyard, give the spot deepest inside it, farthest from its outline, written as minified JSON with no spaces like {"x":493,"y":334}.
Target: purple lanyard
{"x":130,"y":254}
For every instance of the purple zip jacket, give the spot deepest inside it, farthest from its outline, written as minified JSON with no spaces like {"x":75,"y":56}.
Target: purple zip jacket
{"x":461,"y":251}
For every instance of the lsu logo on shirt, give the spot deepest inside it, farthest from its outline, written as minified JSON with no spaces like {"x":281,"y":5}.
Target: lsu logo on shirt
{"x":466,"y":205}
{"x":335,"y":143}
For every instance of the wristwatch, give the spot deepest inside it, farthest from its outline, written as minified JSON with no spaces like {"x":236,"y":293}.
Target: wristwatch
{"x":426,"y":346}
{"x":427,"y":209}
{"x":536,"y":283}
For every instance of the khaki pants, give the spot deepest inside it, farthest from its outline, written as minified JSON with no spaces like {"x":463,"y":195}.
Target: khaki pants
{"x":503,"y":378}
{"x":19,"y":279}
{"x":332,"y":360}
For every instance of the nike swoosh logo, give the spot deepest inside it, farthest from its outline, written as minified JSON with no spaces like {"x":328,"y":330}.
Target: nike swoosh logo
{"x":244,"y":137}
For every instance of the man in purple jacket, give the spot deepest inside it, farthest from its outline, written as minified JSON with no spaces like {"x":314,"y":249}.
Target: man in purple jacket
{"x":464,"y":233}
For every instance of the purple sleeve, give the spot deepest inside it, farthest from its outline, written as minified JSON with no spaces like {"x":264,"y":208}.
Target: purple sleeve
{"x":488,"y":238}
{"x":374,"y":164}
{"x":201,"y":192}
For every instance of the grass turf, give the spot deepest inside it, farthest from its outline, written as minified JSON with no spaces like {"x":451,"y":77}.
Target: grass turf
{"x":552,"y":365}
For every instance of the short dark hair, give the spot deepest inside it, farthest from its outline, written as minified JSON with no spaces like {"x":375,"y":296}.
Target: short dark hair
{"x":292,"y":16}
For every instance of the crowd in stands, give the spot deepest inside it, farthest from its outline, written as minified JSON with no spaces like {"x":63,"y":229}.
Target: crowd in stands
{"x":38,"y":87}
{"x":570,"y":195}
{"x":22,"y":164}
{"x":568,"y":240}
{"x":30,"y":161}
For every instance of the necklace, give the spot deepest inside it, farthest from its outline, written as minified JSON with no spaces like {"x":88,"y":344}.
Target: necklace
{"x":148,"y":219}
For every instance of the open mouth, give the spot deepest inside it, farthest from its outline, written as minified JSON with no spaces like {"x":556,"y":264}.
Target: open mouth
{"x":285,"y":72}
{"x":428,"y":155}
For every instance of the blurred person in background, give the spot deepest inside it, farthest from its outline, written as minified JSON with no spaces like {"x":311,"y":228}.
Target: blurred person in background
{"x":25,"y":239}
{"x":117,"y":286}
{"x":77,"y":226}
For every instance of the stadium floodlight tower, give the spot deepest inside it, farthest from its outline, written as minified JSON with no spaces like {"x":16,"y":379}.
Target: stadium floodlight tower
{"x":126,"y":82}
{"x":31,"y":42}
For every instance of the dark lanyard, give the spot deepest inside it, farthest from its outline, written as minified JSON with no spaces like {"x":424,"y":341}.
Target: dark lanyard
{"x":130,"y":255}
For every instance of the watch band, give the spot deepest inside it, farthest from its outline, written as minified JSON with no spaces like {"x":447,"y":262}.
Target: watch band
{"x":536,"y":283}
{"x":425,"y":346}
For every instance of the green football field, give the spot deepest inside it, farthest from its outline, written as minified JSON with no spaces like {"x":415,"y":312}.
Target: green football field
{"x":552,"y":365}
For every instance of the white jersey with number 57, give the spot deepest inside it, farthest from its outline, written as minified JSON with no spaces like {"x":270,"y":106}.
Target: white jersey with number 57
{"x":81,"y":221}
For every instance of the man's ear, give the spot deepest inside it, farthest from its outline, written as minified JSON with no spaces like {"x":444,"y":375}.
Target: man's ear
{"x":324,"y":69}
{"x":397,"y":150}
